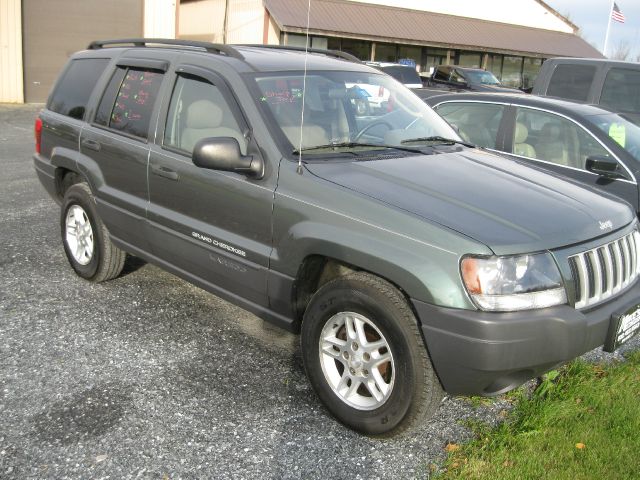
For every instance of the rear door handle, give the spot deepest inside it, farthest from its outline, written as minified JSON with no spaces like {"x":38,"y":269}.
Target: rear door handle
{"x":91,"y":144}
{"x":164,"y":172}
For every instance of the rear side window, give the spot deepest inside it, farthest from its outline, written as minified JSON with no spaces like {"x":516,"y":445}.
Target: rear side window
{"x":477,"y":123}
{"x":620,"y":91}
{"x":571,"y":82}
{"x":74,"y":88}
{"x":128,"y":100}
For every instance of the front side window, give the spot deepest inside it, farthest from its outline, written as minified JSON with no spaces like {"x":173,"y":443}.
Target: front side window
{"x":442,"y":74}
{"x":74,"y":88}
{"x":341,"y":107}
{"x":477,"y":123}
{"x":198,"y":110}
{"x":127,"y":103}
{"x":554,"y":139}
{"x":457,"y":77}
{"x":623,"y":132}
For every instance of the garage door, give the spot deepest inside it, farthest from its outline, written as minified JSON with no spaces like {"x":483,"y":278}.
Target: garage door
{"x":53,"y":30}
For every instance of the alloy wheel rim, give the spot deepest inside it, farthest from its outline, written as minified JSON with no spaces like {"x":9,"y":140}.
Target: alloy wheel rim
{"x":79,"y":235}
{"x":356,"y":361}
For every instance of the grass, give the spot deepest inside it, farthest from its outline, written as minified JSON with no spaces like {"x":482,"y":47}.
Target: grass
{"x":582,"y":422}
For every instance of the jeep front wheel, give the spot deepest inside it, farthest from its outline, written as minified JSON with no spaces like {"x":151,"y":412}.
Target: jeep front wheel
{"x":364,"y":355}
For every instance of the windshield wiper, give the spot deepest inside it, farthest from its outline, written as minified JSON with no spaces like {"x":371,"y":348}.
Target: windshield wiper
{"x":438,"y":140}
{"x":354,"y":145}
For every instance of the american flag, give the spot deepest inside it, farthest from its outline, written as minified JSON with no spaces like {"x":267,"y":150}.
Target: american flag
{"x":616,"y":14}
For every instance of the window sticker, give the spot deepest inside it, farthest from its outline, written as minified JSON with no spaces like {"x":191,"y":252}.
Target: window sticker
{"x":619,"y":133}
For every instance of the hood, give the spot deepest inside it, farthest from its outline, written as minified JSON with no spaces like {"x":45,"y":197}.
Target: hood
{"x":507,"y":206}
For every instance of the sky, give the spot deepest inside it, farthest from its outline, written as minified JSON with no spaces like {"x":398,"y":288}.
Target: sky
{"x":592,"y":16}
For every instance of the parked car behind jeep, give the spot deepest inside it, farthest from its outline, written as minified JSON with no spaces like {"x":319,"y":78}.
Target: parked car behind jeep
{"x":611,"y":84}
{"x":451,"y":77}
{"x":410,"y":262}
{"x":581,"y":142}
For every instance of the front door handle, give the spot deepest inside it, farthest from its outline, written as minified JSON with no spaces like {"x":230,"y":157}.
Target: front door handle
{"x":164,"y":172}
{"x":91,"y":144}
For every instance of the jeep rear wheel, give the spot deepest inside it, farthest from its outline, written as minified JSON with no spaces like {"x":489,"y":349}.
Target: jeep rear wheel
{"x":86,"y":239}
{"x":364,"y":355}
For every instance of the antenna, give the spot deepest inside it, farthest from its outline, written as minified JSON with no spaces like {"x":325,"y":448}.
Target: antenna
{"x":304,"y":90}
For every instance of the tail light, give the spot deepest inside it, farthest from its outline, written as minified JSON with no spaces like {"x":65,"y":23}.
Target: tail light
{"x":38,"y":133}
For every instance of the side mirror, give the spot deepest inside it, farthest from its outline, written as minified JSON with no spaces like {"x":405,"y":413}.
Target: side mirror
{"x":223,"y":153}
{"x":604,"y":166}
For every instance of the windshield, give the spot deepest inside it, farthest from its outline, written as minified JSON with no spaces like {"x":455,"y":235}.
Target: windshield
{"x":346,"y":109}
{"x":484,"y":78}
{"x":625,"y":133}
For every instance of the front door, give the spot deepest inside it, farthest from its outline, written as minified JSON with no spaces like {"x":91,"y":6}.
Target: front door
{"x":559,"y":144}
{"x":214,"y":226}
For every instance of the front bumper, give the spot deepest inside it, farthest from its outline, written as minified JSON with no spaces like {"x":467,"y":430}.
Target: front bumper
{"x":484,"y":353}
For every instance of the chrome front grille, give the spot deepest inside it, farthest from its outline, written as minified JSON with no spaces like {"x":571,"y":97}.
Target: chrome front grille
{"x":602,"y":272}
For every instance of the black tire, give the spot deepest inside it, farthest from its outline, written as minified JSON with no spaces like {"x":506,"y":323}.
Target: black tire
{"x":416,"y":392}
{"x":106,"y":261}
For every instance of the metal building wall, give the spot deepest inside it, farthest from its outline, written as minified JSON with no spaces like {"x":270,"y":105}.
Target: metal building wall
{"x":202,"y":20}
{"x":11,"y":51}
{"x":246,"y":21}
{"x":53,"y":30}
{"x":160,"y":18}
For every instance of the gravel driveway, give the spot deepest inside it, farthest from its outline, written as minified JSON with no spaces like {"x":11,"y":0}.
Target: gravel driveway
{"x":147,"y":376}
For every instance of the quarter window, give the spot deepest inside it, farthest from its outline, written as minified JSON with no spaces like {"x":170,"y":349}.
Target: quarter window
{"x":620,"y":92}
{"x":477,"y":123}
{"x":128,"y":100}
{"x":554,"y":139}
{"x":198,"y":110}
{"x":571,"y":81}
{"x":74,"y":88}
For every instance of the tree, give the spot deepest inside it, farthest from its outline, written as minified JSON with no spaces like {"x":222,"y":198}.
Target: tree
{"x":621,"y":51}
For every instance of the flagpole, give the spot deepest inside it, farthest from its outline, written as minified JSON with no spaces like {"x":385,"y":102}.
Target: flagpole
{"x":606,"y":38}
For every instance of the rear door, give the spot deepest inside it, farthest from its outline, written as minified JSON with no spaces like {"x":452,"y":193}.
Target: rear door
{"x":117,"y":143}
{"x":212,"y":225}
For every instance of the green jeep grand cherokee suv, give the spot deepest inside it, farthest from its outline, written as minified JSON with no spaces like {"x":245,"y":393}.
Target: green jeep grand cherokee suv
{"x":411,"y":263}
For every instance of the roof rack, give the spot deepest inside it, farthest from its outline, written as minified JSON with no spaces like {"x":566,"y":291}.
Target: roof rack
{"x":330,"y":53}
{"x":143,"y":42}
{"x":217,"y":48}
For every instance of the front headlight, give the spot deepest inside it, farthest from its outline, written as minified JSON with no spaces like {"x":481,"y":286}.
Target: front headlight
{"x":505,"y":284}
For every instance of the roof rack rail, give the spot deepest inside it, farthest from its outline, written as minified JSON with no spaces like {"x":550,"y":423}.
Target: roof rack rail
{"x":330,"y":53}
{"x":143,"y":42}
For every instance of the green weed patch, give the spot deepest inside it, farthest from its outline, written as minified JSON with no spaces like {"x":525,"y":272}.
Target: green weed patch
{"x":582,"y":422}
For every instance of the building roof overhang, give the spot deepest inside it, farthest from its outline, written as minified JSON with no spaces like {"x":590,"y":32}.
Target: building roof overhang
{"x":379,"y":23}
